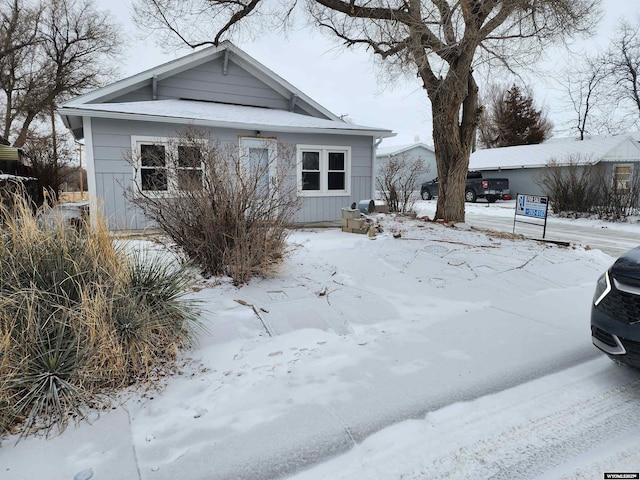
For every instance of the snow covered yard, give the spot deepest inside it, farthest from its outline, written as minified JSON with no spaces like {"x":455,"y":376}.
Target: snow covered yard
{"x":416,"y":357}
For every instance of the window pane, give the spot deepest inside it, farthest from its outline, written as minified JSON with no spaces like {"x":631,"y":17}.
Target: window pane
{"x":189,"y":179}
{"x":622,"y":177}
{"x":152,"y":155}
{"x":189,"y":156}
{"x":153,"y":179}
{"x":310,"y":160}
{"x":335,"y":180}
{"x":336,"y":161}
{"x":310,"y":181}
{"x":259,"y":169}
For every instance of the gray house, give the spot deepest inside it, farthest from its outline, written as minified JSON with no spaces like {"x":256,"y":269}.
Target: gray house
{"x":237,"y":101}
{"x":524,"y":165}
{"x":410,"y":152}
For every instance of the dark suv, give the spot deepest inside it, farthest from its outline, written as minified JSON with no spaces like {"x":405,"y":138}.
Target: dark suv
{"x":615,"y":311}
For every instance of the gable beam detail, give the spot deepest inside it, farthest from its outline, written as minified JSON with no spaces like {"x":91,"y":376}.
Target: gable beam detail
{"x":225,"y":63}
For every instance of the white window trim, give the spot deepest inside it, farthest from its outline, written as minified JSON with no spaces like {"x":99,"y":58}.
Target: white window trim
{"x":324,"y":169}
{"x":168,"y":143}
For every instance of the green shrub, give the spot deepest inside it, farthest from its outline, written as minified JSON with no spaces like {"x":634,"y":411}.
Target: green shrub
{"x":79,"y":317}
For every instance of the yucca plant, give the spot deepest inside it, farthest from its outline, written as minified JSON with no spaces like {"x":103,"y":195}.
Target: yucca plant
{"x":78,"y":317}
{"x":46,"y":389}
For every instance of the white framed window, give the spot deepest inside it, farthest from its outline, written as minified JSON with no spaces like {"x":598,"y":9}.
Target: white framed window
{"x":258,"y":157}
{"x":323,"y":171}
{"x":163,"y":166}
{"x":622,"y":178}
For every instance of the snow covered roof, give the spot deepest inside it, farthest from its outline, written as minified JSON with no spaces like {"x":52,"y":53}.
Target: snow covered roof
{"x":214,"y":114}
{"x":588,"y":151}
{"x":6,"y":176}
{"x":385,"y":151}
{"x":320,"y":120}
{"x":225,"y":49}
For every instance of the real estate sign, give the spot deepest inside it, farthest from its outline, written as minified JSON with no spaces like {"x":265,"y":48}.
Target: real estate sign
{"x":534,"y":206}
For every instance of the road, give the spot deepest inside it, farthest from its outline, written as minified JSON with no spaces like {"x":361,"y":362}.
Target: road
{"x":575,"y":424}
{"x":609,"y":240}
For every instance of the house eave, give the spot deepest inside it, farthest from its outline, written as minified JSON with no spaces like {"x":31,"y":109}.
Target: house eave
{"x":68,"y":113}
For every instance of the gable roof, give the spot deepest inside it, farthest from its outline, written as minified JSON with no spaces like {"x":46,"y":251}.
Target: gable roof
{"x":96,"y":103}
{"x":398,"y":149}
{"x":588,"y":151}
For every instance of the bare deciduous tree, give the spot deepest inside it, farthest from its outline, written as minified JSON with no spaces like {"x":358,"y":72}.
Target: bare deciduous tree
{"x":623,"y":67}
{"x":397,"y":180}
{"x":583,"y":85}
{"x":439,"y":41}
{"x":52,"y":169}
{"x":51,"y":50}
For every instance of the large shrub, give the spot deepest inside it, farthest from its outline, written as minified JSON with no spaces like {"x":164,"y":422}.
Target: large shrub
{"x":231,"y":214}
{"x":397,"y":180}
{"x":578,"y":187}
{"x":79,"y":317}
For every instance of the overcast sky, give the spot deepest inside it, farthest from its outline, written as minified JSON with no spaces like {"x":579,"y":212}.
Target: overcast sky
{"x":346,"y":82}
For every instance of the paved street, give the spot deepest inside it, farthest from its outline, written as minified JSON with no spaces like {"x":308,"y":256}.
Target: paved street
{"x":611,"y":241}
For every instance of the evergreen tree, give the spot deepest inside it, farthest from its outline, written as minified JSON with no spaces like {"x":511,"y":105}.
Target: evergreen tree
{"x":512,"y":119}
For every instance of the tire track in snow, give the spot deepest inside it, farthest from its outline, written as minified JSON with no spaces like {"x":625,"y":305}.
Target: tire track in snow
{"x":573,"y":430}
{"x":553,"y":430}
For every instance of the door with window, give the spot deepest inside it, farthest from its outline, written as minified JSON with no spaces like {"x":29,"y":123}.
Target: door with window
{"x":258,"y":159}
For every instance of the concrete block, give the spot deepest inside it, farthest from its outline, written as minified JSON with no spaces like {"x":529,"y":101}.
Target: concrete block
{"x":358,"y":224}
{"x":350,"y":214}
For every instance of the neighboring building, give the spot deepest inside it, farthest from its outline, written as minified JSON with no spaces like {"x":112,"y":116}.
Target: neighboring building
{"x":238,"y":101}
{"x":411,"y":152}
{"x":524,"y":165}
{"x":11,"y":159}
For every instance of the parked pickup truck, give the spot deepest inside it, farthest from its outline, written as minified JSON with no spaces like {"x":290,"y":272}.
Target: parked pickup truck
{"x":477,"y":187}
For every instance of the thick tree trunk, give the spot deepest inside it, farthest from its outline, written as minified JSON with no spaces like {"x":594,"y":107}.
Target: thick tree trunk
{"x":452,"y":160}
{"x":455,"y":116}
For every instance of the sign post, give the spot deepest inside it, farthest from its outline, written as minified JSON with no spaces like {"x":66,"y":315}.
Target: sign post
{"x":533,"y":206}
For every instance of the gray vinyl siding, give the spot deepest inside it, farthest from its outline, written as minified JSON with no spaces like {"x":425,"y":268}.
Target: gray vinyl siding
{"x":327,"y":210}
{"x":523,"y":180}
{"x":427,"y":156}
{"x":143,"y":94}
{"x":114,"y":175}
{"x":208,"y":82}
{"x":528,"y":180}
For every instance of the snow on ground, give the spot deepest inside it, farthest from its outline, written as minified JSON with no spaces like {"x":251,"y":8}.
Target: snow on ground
{"x":506,"y":209}
{"x":415,"y":357}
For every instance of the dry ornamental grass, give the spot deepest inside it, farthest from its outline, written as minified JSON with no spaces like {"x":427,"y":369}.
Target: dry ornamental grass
{"x":80,"y":318}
